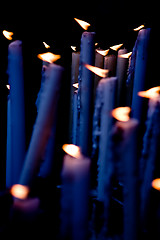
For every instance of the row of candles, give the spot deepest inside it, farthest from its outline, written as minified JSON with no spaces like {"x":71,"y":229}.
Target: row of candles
{"x":95,"y":101}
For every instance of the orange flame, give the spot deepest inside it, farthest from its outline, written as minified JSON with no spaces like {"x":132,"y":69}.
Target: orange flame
{"x":76,"y":85}
{"x":82,"y":23}
{"x":103,"y":52}
{"x":138,"y":28}
{"x":151,"y":93}
{"x":156,"y":184}
{"x":48,"y":57}
{"x":8,"y":86}
{"x":7,"y":34}
{"x":73,"y":48}
{"x":46,"y":45}
{"x":116,"y":47}
{"x":19,"y":191}
{"x":72,"y":150}
{"x":121,"y":113}
{"x":125,"y":55}
{"x":98,"y":71}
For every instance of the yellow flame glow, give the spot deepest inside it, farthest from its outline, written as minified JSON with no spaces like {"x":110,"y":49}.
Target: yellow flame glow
{"x":98,"y":71}
{"x":72,"y":150}
{"x":73,"y":48}
{"x":48,"y":57}
{"x":138,"y":28}
{"x":46,"y":45}
{"x":156,"y":184}
{"x":151,"y":93}
{"x":82,"y":23}
{"x":125,"y":55}
{"x":7,"y":34}
{"x":121,"y":113}
{"x":19,"y":191}
{"x":103,"y":52}
{"x":116,"y":47}
{"x":76,"y":85}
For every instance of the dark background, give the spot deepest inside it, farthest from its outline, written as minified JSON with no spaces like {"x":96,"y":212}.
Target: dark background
{"x":53,"y":22}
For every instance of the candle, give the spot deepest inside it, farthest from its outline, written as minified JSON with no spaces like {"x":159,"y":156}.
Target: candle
{"x":74,"y":123}
{"x":44,"y":123}
{"x":75,"y":187}
{"x":15,"y":115}
{"x":85,"y":93}
{"x":124,"y":150}
{"x":99,"y":62}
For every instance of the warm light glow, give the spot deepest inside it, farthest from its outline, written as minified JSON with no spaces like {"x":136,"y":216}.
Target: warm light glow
{"x":151,"y":93}
{"x":19,"y":191}
{"x":73,"y":48}
{"x":72,"y":150}
{"x":103,"y":52}
{"x":116,"y":47}
{"x":156,"y":184}
{"x":138,"y":28}
{"x":125,"y":55}
{"x":7,"y":34}
{"x":76,"y":85}
{"x":98,"y":71}
{"x":49,"y":57}
{"x":82,"y":23}
{"x":121,"y":113}
{"x":46,"y":45}
{"x":8,"y":86}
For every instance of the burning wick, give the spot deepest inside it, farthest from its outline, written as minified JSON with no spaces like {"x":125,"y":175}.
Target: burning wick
{"x":73,"y":48}
{"x":46,"y":45}
{"x":19,"y":191}
{"x":72,"y":150}
{"x":76,"y":85}
{"x":125,"y":55}
{"x":116,"y":47}
{"x":156,"y":184}
{"x":138,"y":28}
{"x":151,"y":93}
{"x":121,"y":113}
{"x":7,"y":34}
{"x":82,"y":23}
{"x":98,"y":71}
{"x":48,"y":57}
{"x":103,"y":52}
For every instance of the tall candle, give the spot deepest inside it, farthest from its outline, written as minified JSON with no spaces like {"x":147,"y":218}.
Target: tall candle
{"x":110,"y":62}
{"x":74,"y":201}
{"x":16,"y":115}
{"x":43,"y":125}
{"x":85,"y":93}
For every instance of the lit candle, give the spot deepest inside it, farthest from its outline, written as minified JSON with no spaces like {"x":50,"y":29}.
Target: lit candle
{"x":75,"y":192}
{"x":15,"y":115}
{"x":43,"y":125}
{"x":124,"y":152}
{"x":150,"y":151}
{"x":85,"y":92}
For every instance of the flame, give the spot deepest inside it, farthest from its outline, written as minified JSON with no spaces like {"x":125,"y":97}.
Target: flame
{"x":103,"y":52}
{"x":116,"y":47}
{"x":156,"y":184}
{"x":8,"y":86}
{"x":46,"y":45}
{"x":138,"y":28}
{"x":76,"y":85}
{"x":73,"y":48}
{"x":121,"y":113}
{"x":7,"y":34}
{"x":48,"y":57}
{"x":19,"y":191}
{"x":82,"y":23}
{"x":98,"y":71}
{"x":125,"y":55}
{"x":72,"y":150}
{"x":151,"y":93}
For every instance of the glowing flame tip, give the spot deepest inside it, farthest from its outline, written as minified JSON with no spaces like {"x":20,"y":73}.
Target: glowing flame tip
{"x":7,"y":34}
{"x":150,"y":93}
{"x":48,"y":57}
{"x":98,"y":71}
{"x":116,"y":47}
{"x":72,"y":150}
{"x":19,"y":191}
{"x":138,"y":28}
{"x":121,"y":113}
{"x":82,"y":23}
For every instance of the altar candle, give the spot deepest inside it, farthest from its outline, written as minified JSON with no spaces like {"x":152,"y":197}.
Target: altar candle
{"x":75,"y":193}
{"x":139,"y":82}
{"x":85,"y":93}
{"x":43,"y":125}
{"x":126,"y":131}
{"x":15,"y":115}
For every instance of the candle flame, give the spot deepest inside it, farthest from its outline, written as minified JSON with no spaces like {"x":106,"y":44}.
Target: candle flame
{"x":72,"y":150}
{"x":46,"y":45}
{"x":121,"y":113}
{"x":103,"y":52}
{"x":125,"y":55}
{"x":82,"y":23}
{"x":8,"y":86}
{"x":48,"y":57}
{"x":156,"y":184}
{"x":151,"y":93}
{"x":116,"y":47}
{"x":138,"y":28}
{"x":76,"y":85}
{"x":7,"y":34}
{"x":98,"y":71}
{"x":73,"y":48}
{"x":19,"y":191}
